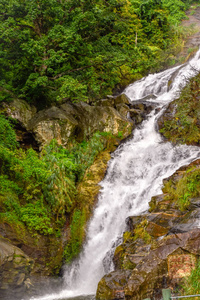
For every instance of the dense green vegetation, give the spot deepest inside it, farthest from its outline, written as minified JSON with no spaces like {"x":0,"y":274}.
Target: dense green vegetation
{"x":55,"y":50}
{"x":38,"y":191}
{"x":183,"y":190}
{"x":74,"y":245}
{"x":184,"y":125}
{"x":82,"y":50}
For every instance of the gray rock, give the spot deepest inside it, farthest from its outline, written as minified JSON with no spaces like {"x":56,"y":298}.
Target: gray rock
{"x":15,"y":268}
{"x":70,"y":121}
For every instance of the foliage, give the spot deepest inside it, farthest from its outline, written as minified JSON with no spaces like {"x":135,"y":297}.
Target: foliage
{"x":8,"y":186}
{"x":73,"y":247}
{"x":67,"y":167}
{"x":7,"y":134}
{"x":36,"y":217}
{"x":22,"y":178}
{"x":191,"y":284}
{"x":60,"y":186}
{"x":186,"y":188}
{"x":85,"y":152}
{"x":184,"y":126}
{"x":51,"y":51}
{"x":176,"y":9}
{"x":39,"y":190}
{"x":140,"y":232}
{"x":57,"y":50}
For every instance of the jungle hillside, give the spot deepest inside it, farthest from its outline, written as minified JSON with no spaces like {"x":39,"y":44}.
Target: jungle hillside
{"x":58,"y":60}
{"x":57,"y":50}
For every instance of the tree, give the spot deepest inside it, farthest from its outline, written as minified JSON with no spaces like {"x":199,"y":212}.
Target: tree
{"x":79,"y":50}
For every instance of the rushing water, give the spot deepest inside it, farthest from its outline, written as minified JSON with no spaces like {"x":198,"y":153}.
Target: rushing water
{"x":134,"y":175}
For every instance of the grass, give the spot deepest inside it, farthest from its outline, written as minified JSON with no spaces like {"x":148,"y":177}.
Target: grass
{"x":191,"y":285}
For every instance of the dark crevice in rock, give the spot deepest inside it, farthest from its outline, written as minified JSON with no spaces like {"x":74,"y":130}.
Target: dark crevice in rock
{"x":25,"y":138}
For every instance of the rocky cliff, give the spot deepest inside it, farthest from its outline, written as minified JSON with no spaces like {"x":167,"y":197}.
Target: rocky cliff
{"x":161,"y":248}
{"x":26,"y":256}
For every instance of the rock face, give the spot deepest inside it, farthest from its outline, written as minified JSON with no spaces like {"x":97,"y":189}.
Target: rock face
{"x":88,"y":189}
{"x":77,"y":121}
{"x":159,"y":249}
{"x":40,"y":250}
{"x":65,"y":123}
{"x":172,"y":259}
{"x":15,"y":268}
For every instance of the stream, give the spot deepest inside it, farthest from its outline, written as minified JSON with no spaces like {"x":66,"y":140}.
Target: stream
{"x":135,"y":174}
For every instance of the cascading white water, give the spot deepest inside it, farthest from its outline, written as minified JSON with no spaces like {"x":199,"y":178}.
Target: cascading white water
{"x":134,"y":175}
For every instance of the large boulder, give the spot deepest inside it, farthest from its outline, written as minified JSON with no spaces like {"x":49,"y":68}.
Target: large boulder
{"x":15,"y":269}
{"x":39,"y":248}
{"x":68,"y":122}
{"x":116,"y":115}
{"x":156,"y":267}
{"x":20,"y":110}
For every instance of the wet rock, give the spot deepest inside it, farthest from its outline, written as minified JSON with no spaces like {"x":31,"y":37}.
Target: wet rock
{"x":128,"y":255}
{"x":140,"y":109}
{"x":168,"y":115}
{"x":131,"y":222}
{"x":52,"y":123}
{"x":194,"y":203}
{"x":15,"y":269}
{"x":122,"y":99}
{"x":136,"y":115}
{"x":156,"y":230}
{"x":106,"y":102}
{"x":166,"y":257}
{"x":144,"y":106}
{"x":77,"y":121}
{"x":159,"y":203}
{"x":41,"y":252}
{"x":89,"y":188}
{"x":148,"y":97}
{"x":189,"y":221}
{"x":165,"y":263}
{"x":165,"y":219}
{"x":112,"y":286}
{"x":123,"y":109}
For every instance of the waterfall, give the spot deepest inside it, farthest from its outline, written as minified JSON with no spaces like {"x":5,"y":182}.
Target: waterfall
{"x":134,"y":175}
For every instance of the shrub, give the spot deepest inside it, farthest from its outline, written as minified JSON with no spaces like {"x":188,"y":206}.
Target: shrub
{"x":7,"y":134}
{"x":77,"y":234}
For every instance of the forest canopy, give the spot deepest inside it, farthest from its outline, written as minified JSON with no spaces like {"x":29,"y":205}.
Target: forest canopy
{"x":82,"y":50}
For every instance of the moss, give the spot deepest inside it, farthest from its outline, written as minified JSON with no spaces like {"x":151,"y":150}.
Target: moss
{"x":77,"y":234}
{"x":152,"y":204}
{"x":128,"y":265}
{"x":39,"y":191}
{"x":127,"y":236}
{"x":184,"y":125}
{"x":186,"y":187}
{"x":140,"y":232}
